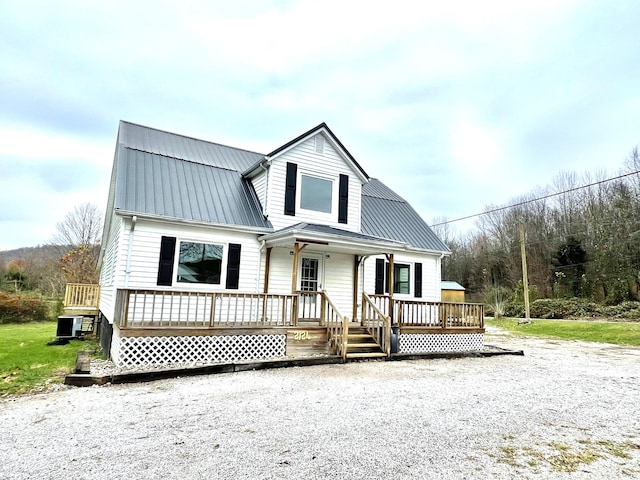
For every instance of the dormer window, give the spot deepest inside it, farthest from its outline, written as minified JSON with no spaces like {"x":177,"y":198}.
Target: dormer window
{"x":316,"y":193}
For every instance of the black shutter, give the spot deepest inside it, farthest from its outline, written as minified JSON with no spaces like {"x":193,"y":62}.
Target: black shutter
{"x":343,"y":199}
{"x":165,"y":266}
{"x":379,"y":276}
{"x":233,"y":266}
{"x":386,"y":277}
{"x":418,"y":280}
{"x":290,"y":189}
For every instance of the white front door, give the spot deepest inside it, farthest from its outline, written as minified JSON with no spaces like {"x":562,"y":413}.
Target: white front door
{"x":311,"y":279}
{"x":311,"y":273}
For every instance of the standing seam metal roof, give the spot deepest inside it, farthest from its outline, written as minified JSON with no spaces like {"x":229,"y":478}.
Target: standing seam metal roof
{"x":168,"y":175}
{"x":173,"y":176}
{"x":385,"y":214}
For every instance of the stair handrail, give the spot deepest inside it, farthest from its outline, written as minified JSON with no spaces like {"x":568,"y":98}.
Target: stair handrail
{"x":378,"y":326}
{"x":335,"y":324}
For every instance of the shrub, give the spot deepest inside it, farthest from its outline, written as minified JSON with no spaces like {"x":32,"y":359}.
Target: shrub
{"x":15,"y":308}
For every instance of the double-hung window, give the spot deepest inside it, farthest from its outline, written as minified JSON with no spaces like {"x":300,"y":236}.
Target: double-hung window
{"x":401,"y":278}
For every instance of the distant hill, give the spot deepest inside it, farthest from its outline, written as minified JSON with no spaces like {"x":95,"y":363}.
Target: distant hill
{"x":42,"y":252}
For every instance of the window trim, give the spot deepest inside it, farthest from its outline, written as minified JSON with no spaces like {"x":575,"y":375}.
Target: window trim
{"x":396,"y":267}
{"x":328,"y":216}
{"x":197,"y":285}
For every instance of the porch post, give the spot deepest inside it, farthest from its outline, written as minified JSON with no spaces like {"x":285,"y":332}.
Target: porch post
{"x":297,"y":248}
{"x":356,"y":264}
{"x":267,"y":264}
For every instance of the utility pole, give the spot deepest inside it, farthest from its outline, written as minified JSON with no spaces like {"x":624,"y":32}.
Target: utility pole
{"x":525,"y":278}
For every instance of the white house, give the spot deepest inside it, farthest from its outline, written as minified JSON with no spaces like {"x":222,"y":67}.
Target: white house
{"x":212,"y":253}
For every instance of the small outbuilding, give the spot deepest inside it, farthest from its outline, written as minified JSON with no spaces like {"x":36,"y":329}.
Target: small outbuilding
{"x":452,"y":292}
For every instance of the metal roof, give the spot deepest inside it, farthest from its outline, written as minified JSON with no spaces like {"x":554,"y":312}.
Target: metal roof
{"x":329,"y":230}
{"x":449,"y":285}
{"x":177,"y":177}
{"x":171,"y":187}
{"x":151,"y":140}
{"x":387,"y":215}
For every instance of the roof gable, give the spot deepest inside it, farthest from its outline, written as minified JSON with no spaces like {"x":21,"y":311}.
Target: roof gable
{"x":330,"y":137}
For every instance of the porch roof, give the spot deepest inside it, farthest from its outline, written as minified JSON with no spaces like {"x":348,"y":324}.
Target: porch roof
{"x":331,"y":237}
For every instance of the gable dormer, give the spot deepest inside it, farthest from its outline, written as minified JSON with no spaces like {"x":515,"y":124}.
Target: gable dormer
{"x":311,"y":179}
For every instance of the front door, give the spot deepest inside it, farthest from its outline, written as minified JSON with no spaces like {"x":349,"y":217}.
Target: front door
{"x":310,"y":281}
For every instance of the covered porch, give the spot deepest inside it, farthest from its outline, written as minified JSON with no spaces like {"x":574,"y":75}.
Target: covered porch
{"x":315,"y":297}
{"x":156,"y":326}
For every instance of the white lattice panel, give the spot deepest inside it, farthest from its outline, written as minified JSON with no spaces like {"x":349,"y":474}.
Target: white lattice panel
{"x":449,"y":342}
{"x":150,"y":351}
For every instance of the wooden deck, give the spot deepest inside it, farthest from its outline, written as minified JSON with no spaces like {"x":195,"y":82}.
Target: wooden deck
{"x":310,"y":321}
{"x":81,"y":299}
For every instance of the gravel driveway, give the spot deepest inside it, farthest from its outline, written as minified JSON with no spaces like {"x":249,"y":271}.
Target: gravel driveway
{"x":564,"y":410}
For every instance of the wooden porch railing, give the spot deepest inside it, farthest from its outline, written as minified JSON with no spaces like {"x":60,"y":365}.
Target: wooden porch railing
{"x":377,"y":323}
{"x":415,"y":313}
{"x":81,"y":296}
{"x":337,"y":327}
{"x":187,"y":309}
{"x":190,"y":309}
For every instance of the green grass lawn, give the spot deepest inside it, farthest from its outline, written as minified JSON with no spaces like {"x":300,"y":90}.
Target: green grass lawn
{"x":622,"y":333}
{"x":27,"y":362}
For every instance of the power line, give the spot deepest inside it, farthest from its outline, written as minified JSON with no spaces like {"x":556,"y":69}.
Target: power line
{"x":536,"y":199}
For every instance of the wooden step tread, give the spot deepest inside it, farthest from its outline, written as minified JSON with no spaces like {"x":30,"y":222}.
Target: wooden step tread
{"x":363,"y":345}
{"x":366,"y":355}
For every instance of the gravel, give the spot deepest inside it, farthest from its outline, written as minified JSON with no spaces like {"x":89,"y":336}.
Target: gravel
{"x":564,"y":410}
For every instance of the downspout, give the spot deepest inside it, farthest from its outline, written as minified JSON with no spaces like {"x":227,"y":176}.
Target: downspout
{"x":439,"y":277}
{"x":266,"y":188}
{"x":127,"y":269}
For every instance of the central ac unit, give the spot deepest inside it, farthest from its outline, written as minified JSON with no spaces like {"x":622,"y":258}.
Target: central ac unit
{"x":69,"y":326}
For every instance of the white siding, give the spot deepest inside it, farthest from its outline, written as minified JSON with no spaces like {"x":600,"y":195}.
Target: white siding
{"x":145,"y":254}
{"x":337,"y":276}
{"x":328,"y":165}
{"x":260,"y":186}
{"x":280,"y":269}
{"x":109,"y":269}
{"x":430,"y":275}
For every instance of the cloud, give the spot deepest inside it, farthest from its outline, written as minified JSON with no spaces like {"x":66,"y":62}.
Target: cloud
{"x":471,"y":102}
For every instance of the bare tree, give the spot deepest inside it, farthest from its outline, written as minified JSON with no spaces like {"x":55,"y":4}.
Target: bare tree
{"x":80,"y":226}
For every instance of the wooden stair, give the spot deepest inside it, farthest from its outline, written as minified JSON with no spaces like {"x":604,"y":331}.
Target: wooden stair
{"x":360,"y":344}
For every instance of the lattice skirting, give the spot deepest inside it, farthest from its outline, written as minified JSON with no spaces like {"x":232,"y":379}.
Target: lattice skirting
{"x":150,"y":351}
{"x":448,"y":342}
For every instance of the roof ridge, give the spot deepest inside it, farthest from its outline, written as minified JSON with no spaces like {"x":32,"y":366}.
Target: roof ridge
{"x":185,"y":160}
{"x":190,"y":137}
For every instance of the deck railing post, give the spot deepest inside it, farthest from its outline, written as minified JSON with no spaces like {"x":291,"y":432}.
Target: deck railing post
{"x":125,"y":307}
{"x":294,"y":312}
{"x":345,"y":336}
{"x":264,"y":308}
{"x":323,"y":308}
{"x":212,"y":314}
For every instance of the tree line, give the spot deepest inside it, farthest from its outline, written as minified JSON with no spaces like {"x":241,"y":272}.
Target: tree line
{"x":580,"y":242}
{"x":70,"y":257}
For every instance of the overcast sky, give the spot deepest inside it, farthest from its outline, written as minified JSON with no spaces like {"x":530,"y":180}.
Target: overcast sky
{"x":455,"y":105}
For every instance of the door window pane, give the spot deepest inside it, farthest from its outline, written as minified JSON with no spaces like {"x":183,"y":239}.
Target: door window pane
{"x":309,"y":275}
{"x":199,"y":263}
{"x":316,"y":194}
